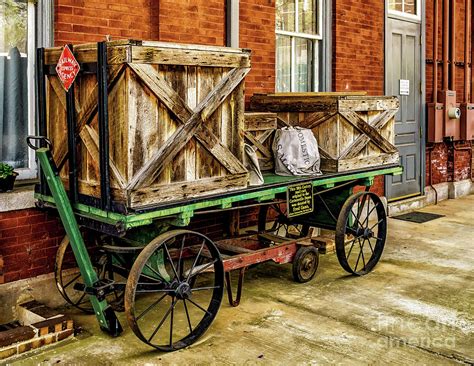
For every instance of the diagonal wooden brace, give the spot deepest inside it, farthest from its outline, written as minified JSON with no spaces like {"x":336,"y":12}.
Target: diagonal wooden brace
{"x":192,"y":123}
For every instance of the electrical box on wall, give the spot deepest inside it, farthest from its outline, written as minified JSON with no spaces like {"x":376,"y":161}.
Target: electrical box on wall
{"x":435,"y":122}
{"x":467,"y":121}
{"x":452,"y":114}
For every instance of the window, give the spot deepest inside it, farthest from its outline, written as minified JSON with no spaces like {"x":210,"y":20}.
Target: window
{"x":298,"y":45}
{"x":406,"y":8}
{"x":17,"y":50}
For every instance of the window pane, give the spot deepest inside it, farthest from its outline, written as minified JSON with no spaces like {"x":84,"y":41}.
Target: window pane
{"x":283,"y":63}
{"x":395,"y":5}
{"x":13,"y":82}
{"x":410,"y":7}
{"x":307,"y":16}
{"x":285,"y":15}
{"x":304,"y":64}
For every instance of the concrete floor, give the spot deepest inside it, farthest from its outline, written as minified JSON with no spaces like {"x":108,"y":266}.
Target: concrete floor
{"x":416,"y":307}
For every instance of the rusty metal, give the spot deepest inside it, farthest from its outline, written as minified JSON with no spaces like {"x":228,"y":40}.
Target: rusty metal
{"x":235,"y":302}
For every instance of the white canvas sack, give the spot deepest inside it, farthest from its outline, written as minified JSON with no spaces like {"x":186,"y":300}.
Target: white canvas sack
{"x":296,"y":152}
{"x":252,"y":165}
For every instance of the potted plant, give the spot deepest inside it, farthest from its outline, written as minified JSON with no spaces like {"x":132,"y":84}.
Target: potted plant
{"x":7,"y":177}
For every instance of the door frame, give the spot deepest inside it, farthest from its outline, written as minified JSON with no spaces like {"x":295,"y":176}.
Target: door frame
{"x":421,"y":21}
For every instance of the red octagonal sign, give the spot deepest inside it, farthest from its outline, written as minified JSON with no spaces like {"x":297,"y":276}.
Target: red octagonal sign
{"x":67,"y":68}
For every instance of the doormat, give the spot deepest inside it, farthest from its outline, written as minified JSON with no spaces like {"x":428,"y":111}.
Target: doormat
{"x":418,"y":217}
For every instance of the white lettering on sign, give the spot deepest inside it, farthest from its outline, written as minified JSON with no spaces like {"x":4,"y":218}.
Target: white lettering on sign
{"x":404,"y":87}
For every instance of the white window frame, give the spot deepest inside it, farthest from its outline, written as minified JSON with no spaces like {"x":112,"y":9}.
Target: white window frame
{"x":318,"y":37}
{"x":402,"y":14}
{"x":40,"y":34}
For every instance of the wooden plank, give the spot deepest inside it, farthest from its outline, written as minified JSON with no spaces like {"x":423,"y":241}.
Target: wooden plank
{"x":362,"y":140}
{"x":192,"y":102}
{"x":88,"y":110}
{"x":368,"y":161}
{"x":186,"y":190}
{"x":87,"y":53}
{"x":185,"y":132}
{"x":363,"y":104}
{"x":254,"y":141}
{"x":260,"y":121}
{"x":370,"y":131}
{"x":277,"y":104}
{"x":313,"y":94}
{"x":91,"y":140}
{"x":189,"y":57}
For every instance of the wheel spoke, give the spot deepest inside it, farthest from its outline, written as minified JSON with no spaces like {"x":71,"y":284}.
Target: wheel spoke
{"x":155,"y":272}
{"x":350,"y":250}
{"x":205,"y":288}
{"x":180,"y":268}
{"x":162,"y":321}
{"x":200,"y":307}
{"x":150,"y":307}
{"x":362,"y":251}
{"x":171,"y":325}
{"x":80,"y":299}
{"x":358,"y":258}
{"x":378,"y":222}
{"x":187,"y":316}
{"x":201,"y":269}
{"x":171,"y":261}
{"x":195,"y":261}
{"x":370,"y":245}
{"x":69,"y":283}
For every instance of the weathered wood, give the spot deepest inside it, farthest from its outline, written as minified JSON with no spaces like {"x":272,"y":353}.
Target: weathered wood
{"x":175,"y":125}
{"x":260,"y":121}
{"x":153,"y":167}
{"x":370,"y":131}
{"x":352,"y":131}
{"x":14,"y":335}
{"x":189,"y":57}
{"x":263,"y":149}
{"x":185,"y":190}
{"x":91,"y":140}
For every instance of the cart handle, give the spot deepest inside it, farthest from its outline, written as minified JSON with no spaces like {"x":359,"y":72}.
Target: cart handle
{"x":40,"y":139}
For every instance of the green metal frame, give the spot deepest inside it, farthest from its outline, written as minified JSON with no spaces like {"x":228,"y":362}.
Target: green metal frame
{"x":103,"y":311}
{"x":182,"y":214}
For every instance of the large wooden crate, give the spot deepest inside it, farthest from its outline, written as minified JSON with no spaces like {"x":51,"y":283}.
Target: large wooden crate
{"x":176,"y":115}
{"x":353,"y":131}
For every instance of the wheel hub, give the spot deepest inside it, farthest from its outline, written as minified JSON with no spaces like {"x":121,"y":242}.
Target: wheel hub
{"x":183,"y":291}
{"x":364,"y":233}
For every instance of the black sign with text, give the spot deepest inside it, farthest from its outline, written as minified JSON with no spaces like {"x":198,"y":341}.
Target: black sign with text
{"x":300,"y":199}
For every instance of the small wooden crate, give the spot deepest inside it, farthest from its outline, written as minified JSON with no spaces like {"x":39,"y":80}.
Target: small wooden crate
{"x":259,"y":130}
{"x":176,"y":118}
{"x":353,"y":131}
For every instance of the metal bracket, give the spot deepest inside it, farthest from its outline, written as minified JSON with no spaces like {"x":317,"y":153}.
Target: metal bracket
{"x":100,"y":289}
{"x":228,"y":285}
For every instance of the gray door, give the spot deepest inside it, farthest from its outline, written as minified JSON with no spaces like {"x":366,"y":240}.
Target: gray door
{"x":403,"y":53}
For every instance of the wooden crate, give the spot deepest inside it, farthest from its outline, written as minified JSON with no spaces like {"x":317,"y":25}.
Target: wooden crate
{"x":353,"y":131}
{"x":176,"y":115}
{"x":259,"y":129}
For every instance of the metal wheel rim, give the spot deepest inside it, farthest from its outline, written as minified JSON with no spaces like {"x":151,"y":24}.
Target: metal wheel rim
{"x":83,"y":302}
{"x":134,"y":316}
{"x":374,"y":242}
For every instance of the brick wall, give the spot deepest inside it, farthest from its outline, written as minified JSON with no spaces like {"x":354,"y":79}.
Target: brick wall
{"x":79,"y":21}
{"x":257,"y":32}
{"x":28,"y":243}
{"x":449,"y":162}
{"x":358,"y":46}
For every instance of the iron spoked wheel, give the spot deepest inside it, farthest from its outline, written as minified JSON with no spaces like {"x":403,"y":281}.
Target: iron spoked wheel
{"x":272,"y":219}
{"x":67,"y":275}
{"x":174,"y":290}
{"x":361,"y":232}
{"x":305,"y":264}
